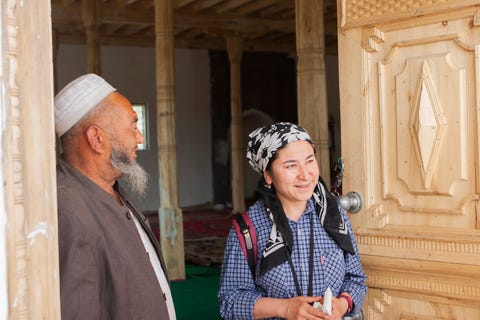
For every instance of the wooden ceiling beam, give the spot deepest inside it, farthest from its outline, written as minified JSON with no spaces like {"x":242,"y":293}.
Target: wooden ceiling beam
{"x":203,"y":44}
{"x":197,"y":23}
{"x":200,"y":5}
{"x":255,"y":6}
{"x":189,"y":34}
{"x":228,"y":22}
{"x":122,"y":3}
{"x":229,"y":5}
{"x":235,"y":23}
{"x":178,"y":4}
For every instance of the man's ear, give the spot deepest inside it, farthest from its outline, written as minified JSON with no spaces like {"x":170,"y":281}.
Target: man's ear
{"x":96,"y":138}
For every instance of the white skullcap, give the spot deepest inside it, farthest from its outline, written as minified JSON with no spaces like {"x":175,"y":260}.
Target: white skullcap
{"x":77,"y":99}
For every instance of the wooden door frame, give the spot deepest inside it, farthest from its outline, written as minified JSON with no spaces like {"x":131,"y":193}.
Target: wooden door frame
{"x":28,"y":161}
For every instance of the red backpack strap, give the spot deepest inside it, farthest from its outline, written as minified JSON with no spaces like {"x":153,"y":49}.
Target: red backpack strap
{"x":247,"y":238}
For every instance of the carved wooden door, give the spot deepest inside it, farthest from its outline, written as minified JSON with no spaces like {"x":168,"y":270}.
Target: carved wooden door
{"x":409,"y":92}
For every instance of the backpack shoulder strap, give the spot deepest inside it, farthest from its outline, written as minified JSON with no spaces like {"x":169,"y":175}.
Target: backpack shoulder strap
{"x":248,"y":239}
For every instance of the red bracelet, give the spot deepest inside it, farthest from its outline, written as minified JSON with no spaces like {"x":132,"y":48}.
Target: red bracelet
{"x":349,"y":301}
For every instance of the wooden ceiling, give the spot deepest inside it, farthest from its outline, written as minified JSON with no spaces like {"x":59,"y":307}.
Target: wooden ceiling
{"x":264,"y":25}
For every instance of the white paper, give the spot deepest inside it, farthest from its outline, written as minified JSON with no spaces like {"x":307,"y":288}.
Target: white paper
{"x":327,"y":302}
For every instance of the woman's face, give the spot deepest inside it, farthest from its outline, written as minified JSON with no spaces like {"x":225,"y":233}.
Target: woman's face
{"x":294,"y":173}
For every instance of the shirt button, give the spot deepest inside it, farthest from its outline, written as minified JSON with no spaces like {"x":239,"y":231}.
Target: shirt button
{"x":129,"y":216}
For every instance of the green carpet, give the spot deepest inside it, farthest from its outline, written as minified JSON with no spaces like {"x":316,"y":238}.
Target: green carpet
{"x":196,"y":297}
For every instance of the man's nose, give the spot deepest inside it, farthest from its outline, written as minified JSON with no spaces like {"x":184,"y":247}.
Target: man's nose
{"x":140,"y":138}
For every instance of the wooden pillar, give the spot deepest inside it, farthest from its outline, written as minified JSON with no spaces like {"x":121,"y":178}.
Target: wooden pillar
{"x":311,"y":78}
{"x":27,"y":165}
{"x":91,"y":20}
{"x":235,"y":50}
{"x":55,"y":47}
{"x":170,"y":215}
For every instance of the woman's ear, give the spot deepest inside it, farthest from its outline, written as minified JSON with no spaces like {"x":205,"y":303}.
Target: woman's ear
{"x":267,"y":177}
{"x":96,"y":138}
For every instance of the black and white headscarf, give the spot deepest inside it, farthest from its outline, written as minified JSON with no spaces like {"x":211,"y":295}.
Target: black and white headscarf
{"x":263,"y":144}
{"x":265,"y":141}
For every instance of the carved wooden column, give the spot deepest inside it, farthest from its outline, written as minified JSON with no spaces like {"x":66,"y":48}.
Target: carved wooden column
{"x":55,"y":47}
{"x":170,"y":215}
{"x":91,"y":19}
{"x":27,"y":163}
{"x":235,"y":50}
{"x":311,"y":78}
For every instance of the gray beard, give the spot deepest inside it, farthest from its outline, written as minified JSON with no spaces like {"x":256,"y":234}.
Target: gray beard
{"x":132,"y":173}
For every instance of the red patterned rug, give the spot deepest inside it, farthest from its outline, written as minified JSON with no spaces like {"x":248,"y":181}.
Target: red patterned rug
{"x":205,"y":232}
{"x":199,"y":229}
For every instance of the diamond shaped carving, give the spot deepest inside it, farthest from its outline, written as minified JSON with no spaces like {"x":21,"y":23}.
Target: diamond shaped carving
{"x":427,"y":124}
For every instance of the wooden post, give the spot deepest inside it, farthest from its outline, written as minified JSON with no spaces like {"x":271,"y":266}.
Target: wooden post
{"x":91,"y":18}
{"x":311,"y":78}
{"x":170,"y":215}
{"x":28,"y":189}
{"x":235,"y":49}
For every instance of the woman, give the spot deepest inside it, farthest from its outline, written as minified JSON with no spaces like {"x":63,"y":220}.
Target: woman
{"x":305,"y":240}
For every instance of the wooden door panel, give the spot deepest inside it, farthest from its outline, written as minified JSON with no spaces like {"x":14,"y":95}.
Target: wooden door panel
{"x":409,"y":99}
{"x":428,"y":117}
{"x":392,"y":305}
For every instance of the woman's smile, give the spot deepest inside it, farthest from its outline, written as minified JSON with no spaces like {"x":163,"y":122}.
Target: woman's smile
{"x":294,"y":173}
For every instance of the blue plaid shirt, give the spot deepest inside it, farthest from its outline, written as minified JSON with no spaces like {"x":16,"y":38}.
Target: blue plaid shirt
{"x":333,"y":268}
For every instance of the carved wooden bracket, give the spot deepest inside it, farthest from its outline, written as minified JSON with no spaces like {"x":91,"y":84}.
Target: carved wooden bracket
{"x":378,"y":303}
{"x":476,"y":19}
{"x":372,"y":39}
{"x":377,"y":219}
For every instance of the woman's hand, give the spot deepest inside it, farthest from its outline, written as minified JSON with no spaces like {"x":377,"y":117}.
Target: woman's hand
{"x":298,"y":308}
{"x":339,"y":308}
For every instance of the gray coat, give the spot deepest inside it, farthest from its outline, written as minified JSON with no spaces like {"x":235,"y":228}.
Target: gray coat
{"x":105,"y":272}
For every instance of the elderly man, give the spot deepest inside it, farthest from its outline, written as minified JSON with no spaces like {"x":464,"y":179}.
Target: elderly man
{"x":111,"y":266}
